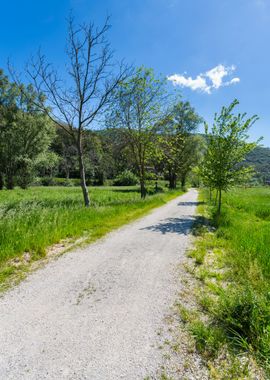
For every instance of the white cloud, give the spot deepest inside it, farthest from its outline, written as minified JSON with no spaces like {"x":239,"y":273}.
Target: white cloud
{"x":235,"y":80}
{"x":199,"y":83}
{"x":206,"y":82}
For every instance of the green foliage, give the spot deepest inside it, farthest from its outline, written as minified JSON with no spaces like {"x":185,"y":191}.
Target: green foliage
{"x":25,"y":171}
{"x":138,"y":106}
{"x":25,"y":132}
{"x":154,"y":189}
{"x":178,"y":147}
{"x":126,"y":178}
{"x":52,"y":181}
{"x":47,"y":163}
{"x":227,"y":147}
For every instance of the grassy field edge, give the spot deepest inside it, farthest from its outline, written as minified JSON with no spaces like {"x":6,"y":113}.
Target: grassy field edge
{"x":223,"y":323}
{"x":103,"y":220}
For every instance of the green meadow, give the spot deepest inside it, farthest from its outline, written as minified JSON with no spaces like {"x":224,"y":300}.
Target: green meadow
{"x":34,"y":219}
{"x":233,"y":261}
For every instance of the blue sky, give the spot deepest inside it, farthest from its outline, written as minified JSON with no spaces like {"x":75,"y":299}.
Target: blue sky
{"x":195,"y":42}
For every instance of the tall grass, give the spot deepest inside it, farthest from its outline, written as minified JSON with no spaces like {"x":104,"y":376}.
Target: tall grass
{"x":243,"y":234}
{"x":33,"y":219}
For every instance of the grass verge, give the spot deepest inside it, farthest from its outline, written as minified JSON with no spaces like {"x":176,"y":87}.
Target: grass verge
{"x":33,"y":220}
{"x":231,"y":264}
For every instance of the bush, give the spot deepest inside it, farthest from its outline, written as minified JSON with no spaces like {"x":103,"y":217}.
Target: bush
{"x":63,"y":182}
{"x":25,"y":172}
{"x":47,"y":181}
{"x":53,"y":181}
{"x":126,"y":178}
{"x":152,"y":189}
{"x":76,"y":181}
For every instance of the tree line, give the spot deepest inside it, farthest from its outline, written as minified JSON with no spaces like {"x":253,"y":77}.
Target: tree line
{"x":33,"y":145}
{"x":100,"y":118}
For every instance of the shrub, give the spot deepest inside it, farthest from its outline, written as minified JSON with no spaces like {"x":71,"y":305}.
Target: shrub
{"x":47,"y":181}
{"x":76,"y":181}
{"x":52,"y":181}
{"x":62,"y":182}
{"x":152,"y":189}
{"x":126,"y":178}
{"x":25,"y":172}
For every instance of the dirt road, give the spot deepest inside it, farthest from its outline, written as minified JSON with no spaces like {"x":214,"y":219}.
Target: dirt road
{"x":94,"y":313}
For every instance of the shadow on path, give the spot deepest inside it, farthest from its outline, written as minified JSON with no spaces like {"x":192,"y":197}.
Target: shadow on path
{"x":181,"y":226}
{"x":189,"y":203}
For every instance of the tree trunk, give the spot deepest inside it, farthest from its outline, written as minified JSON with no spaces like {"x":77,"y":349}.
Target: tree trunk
{"x":219,"y":201}
{"x":66,"y":170}
{"x":143,"y":188}
{"x":142,"y":178}
{"x":183,"y":181}
{"x":1,"y":181}
{"x":82,"y":177}
{"x":172,"y":180}
{"x":10,"y":182}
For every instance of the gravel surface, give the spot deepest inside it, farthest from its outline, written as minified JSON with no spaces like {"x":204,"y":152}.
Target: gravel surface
{"x":94,"y":313}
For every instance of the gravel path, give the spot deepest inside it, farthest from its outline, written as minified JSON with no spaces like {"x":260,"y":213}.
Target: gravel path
{"x":94,"y":313}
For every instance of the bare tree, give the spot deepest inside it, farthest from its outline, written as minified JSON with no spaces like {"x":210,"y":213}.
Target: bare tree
{"x":77,"y":99}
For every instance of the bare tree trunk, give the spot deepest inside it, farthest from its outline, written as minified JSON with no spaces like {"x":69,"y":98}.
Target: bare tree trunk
{"x":82,"y":177}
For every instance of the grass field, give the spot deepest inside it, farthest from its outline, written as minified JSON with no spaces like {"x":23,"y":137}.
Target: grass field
{"x":234,"y":264}
{"x":34,"y":219}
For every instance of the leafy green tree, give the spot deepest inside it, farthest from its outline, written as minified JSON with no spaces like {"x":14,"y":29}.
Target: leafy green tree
{"x":118,"y":152}
{"x":25,"y":132}
{"x":47,"y":163}
{"x":226,"y":148}
{"x":126,"y":178}
{"x":137,"y":107}
{"x":176,"y":143}
{"x":190,"y":157}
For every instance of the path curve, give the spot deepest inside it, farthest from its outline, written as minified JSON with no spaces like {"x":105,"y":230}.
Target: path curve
{"x":94,"y":313}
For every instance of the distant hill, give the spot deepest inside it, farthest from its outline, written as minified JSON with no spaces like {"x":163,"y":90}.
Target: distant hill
{"x":260,"y":159}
